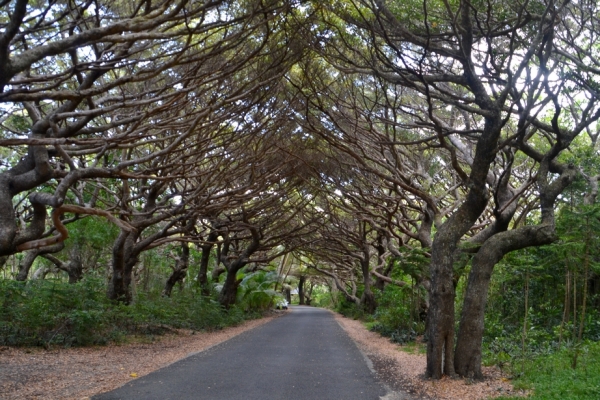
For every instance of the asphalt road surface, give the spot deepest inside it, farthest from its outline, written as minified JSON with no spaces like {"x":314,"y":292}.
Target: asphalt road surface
{"x":303,"y":355}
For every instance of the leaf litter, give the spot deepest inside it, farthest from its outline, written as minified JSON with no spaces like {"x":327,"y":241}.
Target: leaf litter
{"x":404,"y":372}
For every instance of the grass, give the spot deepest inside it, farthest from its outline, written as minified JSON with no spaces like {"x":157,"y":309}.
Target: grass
{"x":414,"y":348}
{"x":369,"y":324}
{"x":551,"y":376}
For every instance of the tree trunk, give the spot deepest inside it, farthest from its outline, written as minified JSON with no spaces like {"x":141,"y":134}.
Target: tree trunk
{"x":470,"y":334}
{"x":203,"y":272}
{"x":440,"y":324}
{"x":73,"y":267}
{"x":309,"y":294}
{"x":380,"y":282}
{"x":30,"y":257}
{"x":301,"y":289}
{"x":440,"y":329}
{"x":124,"y":260}
{"x":179,"y":270}
{"x":367,"y":299}
{"x":26,"y":264}
{"x":288,"y":294}
{"x":228,"y":295}
{"x":41,"y":273}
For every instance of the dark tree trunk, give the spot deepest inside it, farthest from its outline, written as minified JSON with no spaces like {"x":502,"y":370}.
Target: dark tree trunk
{"x":440,"y":323}
{"x":440,"y":328}
{"x":16,"y":180}
{"x":179,"y":270}
{"x":124,"y":260}
{"x":288,"y":294}
{"x":26,"y":264}
{"x":73,"y":267}
{"x":367,"y":299}
{"x":379,"y":282}
{"x":309,"y":294}
{"x":74,"y":270}
{"x":380,"y":247}
{"x":470,"y":335}
{"x":203,"y":272}
{"x":301,"y":290}
{"x":228,"y":295}
{"x":30,"y":257}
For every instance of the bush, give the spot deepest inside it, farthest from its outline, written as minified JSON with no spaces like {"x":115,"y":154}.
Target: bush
{"x":396,"y":317}
{"x":46,"y":313}
{"x":551,"y":376}
{"x":349,"y":309}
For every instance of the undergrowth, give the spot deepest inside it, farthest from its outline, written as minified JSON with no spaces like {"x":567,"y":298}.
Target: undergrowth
{"x":551,"y":376}
{"x":49,"y":313}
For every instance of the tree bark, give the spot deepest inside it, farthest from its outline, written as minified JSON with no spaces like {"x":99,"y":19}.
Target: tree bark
{"x":367,"y":299}
{"x":124,"y":260}
{"x":309,"y":295}
{"x":179,"y":270}
{"x":301,"y":290}
{"x":288,"y":294}
{"x":30,"y":257}
{"x":470,"y":335}
{"x":203,"y":272}
{"x":440,"y":345}
{"x":73,"y":267}
{"x":228,"y":295}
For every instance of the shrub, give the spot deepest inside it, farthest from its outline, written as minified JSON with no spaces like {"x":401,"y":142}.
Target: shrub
{"x":46,"y":313}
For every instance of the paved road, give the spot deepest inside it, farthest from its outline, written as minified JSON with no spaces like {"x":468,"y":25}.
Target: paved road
{"x":303,"y":355}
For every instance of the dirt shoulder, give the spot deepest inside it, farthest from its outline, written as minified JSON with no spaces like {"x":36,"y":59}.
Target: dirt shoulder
{"x":403,"y":371}
{"x":79,"y":373}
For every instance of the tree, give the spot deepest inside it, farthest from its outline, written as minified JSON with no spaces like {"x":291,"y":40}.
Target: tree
{"x":179,"y":270}
{"x":477,"y":88}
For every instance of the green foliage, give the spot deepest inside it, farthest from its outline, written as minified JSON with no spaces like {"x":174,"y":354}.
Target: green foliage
{"x":349,"y":309}
{"x":322,"y":297}
{"x":94,"y":232}
{"x":256,"y":290}
{"x":551,"y":376}
{"x":43,"y":313}
{"x":552,"y":346}
{"x":396,"y":315}
{"x":46,"y":313}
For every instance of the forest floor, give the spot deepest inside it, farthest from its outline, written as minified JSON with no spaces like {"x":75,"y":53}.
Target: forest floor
{"x":78,"y":373}
{"x":81,"y":372}
{"x":403,"y":369}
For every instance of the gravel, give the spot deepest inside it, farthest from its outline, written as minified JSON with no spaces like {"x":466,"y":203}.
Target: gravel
{"x":78,"y":373}
{"x":404,"y":372}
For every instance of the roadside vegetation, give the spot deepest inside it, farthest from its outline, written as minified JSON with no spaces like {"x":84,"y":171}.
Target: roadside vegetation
{"x":53,"y":313}
{"x":542,"y":322}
